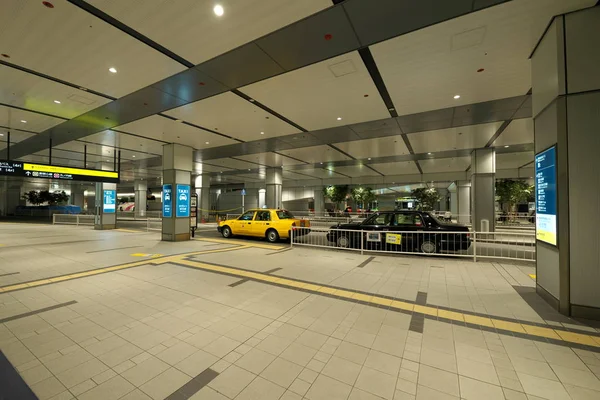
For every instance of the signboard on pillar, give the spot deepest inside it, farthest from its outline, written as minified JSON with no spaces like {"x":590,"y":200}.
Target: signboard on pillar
{"x":545,"y":196}
{"x":109,"y":204}
{"x":167,"y":200}
{"x":182,"y":209}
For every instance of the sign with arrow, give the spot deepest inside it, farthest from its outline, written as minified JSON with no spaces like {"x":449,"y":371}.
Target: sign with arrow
{"x":30,"y":170}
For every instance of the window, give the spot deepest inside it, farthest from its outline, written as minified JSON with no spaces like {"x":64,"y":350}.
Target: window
{"x":378,"y":219}
{"x":404,"y":219}
{"x":283,"y":214}
{"x":263,"y":216}
{"x":247,"y":216}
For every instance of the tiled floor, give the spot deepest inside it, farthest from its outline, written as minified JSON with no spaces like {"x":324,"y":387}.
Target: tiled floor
{"x":166,"y":328}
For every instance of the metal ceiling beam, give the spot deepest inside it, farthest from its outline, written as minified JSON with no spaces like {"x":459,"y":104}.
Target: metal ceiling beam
{"x":350,"y":25}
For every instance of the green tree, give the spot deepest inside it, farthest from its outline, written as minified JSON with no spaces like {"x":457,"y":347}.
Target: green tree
{"x":362,"y":196}
{"x":426,"y":198}
{"x":33,"y":197}
{"x":336,"y":193}
{"x":510,"y":192}
{"x":45,"y":196}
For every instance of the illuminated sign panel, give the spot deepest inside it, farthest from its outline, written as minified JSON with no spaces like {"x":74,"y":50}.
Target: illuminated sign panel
{"x":545,"y":196}
{"x":109,"y":205}
{"x":182,"y":201}
{"x":167,"y":201}
{"x":30,"y":170}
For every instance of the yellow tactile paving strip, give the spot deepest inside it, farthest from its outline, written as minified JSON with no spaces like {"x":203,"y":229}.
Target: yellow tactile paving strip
{"x":444,"y":315}
{"x":242,"y":243}
{"x":532,"y":331}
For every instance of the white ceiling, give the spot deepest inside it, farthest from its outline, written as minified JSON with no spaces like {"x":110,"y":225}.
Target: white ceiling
{"x":126,"y":141}
{"x":167,"y":130}
{"x":232,"y":163}
{"x":314,"y":97}
{"x":229,"y":114}
{"x":445,"y":164}
{"x":513,"y":160}
{"x":316,"y":154}
{"x":396,"y":168}
{"x":465,"y":137}
{"x":380,"y":147}
{"x":269,"y":159}
{"x":73,"y":45}
{"x":355,"y":171}
{"x":190,"y":28}
{"x":12,"y":117}
{"x":423,"y":70}
{"x":519,"y":131}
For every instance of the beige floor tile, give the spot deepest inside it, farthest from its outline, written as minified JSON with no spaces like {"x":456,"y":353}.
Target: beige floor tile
{"x":118,"y":355}
{"x":82,"y":387}
{"x":312,"y":339}
{"x":81,"y":373}
{"x":510,"y":394}
{"x":176,"y":353}
{"x":352,"y":352}
{"x":579,"y":393}
{"x":325,"y":388}
{"x":546,"y":388}
{"x":282,"y":372}
{"x":196,"y":363}
{"x":471,"y":389}
{"x":299,"y":387}
{"x":48,"y":388}
{"x":426,"y":393}
{"x":202,"y":338}
{"x":478,"y":370}
{"x":112,"y":389}
{"x":255,"y":361}
{"x":289,"y":395}
{"x":438,"y":379}
{"x":232,"y":381}
{"x":298,"y":354}
{"x":164,"y":384}
{"x":221,"y":346}
{"x":207,"y":393}
{"x":358,"y":394}
{"x":137,"y":394}
{"x":36,"y":374}
{"x":378,"y":383}
{"x":261,"y":389}
{"x":145,"y":371}
{"x":274,"y":344}
{"x":383,"y":362}
{"x":577,"y":377}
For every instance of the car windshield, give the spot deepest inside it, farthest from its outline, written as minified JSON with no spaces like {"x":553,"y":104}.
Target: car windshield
{"x":433,"y":217}
{"x":284,"y":214}
{"x":377,"y":219}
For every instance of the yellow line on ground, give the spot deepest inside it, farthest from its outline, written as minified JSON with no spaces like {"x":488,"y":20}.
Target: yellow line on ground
{"x":231,"y":241}
{"x":537,"y":331}
{"x":532,"y":276}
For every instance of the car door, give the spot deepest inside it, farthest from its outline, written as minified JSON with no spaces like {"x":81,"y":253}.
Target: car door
{"x":404,"y":231}
{"x":243,"y":224}
{"x":262,"y":222}
{"x":375,"y":228}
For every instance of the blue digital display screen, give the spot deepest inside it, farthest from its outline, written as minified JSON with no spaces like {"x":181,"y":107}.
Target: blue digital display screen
{"x":109,"y":205}
{"x":545,"y":196}
{"x":182,"y":201}
{"x":167,"y":206}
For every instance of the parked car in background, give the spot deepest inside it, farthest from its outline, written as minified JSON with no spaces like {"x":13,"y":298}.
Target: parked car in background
{"x":271,"y":224}
{"x":407,"y":231}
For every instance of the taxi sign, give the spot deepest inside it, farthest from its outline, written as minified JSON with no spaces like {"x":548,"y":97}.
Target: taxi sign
{"x":31,"y":170}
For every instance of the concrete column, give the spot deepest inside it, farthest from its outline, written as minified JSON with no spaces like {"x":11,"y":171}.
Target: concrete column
{"x":106,"y":206}
{"x":177,"y":175}
{"x":202,"y":188}
{"x":463,"y":196}
{"x":483,"y":191}
{"x":262,"y":198}
{"x":319,"y":201}
{"x":566,"y":100}
{"x":443,"y":199}
{"x":140,"y":189}
{"x":274,"y":180}
{"x":453,"y":199}
{"x":78,"y":195}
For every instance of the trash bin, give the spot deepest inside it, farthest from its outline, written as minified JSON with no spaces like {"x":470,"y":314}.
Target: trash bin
{"x":485,"y":225}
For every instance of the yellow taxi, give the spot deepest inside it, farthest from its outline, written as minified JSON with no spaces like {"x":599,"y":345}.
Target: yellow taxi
{"x":268,"y":223}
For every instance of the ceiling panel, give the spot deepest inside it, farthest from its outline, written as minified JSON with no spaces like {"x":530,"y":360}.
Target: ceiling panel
{"x":75,"y":46}
{"x":445,"y":165}
{"x":200,"y":168}
{"x":12,"y":118}
{"x":15,"y":136}
{"x":381,"y":147}
{"x":315,"y":96}
{"x":519,"y":131}
{"x":270,"y":159}
{"x":316,"y":154}
{"x":355,"y":171}
{"x":396,"y":168}
{"x":466,"y":137}
{"x":232,"y":163}
{"x":38,"y":94}
{"x":214,"y":35}
{"x":425,"y":69}
{"x":319,"y":173}
{"x":513,"y":160}
{"x":300,"y":175}
{"x":125,"y":141}
{"x":230,"y":114}
{"x":165,"y":129}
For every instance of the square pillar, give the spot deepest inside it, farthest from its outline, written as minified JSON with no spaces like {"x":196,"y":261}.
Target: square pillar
{"x":177,"y":178}
{"x":106,"y":206}
{"x":483,"y":190}
{"x":141,"y":197}
{"x":274,"y":195}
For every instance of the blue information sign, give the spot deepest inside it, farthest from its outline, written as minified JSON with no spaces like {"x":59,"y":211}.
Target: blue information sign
{"x":167,"y":200}
{"x":109,"y":206}
{"x":545,"y":196}
{"x":183,"y":201}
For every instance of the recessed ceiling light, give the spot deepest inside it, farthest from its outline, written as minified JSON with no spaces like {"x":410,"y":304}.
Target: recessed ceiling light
{"x":1,"y":134}
{"x":456,"y":97}
{"x":113,"y":70}
{"x":506,"y":147}
{"x":57,"y":102}
{"x":179,"y":120}
{"x":429,"y":154}
{"x":248,"y":169}
{"x":23,"y":121}
{"x":369,"y":158}
{"x":218,"y":10}
{"x":206,"y":142}
{"x":339,"y":118}
{"x":133,"y":156}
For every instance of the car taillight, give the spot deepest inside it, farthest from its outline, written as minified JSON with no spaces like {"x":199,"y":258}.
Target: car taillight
{"x":468,"y":236}
{"x":293,"y":224}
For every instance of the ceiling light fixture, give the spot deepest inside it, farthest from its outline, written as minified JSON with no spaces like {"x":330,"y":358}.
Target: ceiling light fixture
{"x":218,"y":10}
{"x":506,"y":147}
{"x":369,"y":158}
{"x":206,"y":142}
{"x":23,"y":121}
{"x":113,"y":70}
{"x":262,"y":133}
{"x":133,"y":156}
{"x":428,"y":154}
{"x":339,"y":118}
{"x":57,"y":102}
{"x":456,"y":97}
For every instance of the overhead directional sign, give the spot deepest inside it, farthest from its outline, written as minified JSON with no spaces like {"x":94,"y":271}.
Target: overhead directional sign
{"x":30,"y":170}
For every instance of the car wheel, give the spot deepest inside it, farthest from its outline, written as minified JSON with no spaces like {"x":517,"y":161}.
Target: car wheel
{"x":428,"y":247}
{"x":226,"y":232}
{"x":272,"y":236}
{"x":343,"y":241}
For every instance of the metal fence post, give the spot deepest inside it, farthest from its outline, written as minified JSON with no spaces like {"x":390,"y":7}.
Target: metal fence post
{"x":292,"y":237}
{"x":475,"y":246}
{"x":361,"y":243}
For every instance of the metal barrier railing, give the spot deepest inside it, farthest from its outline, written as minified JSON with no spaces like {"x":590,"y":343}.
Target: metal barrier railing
{"x":154,"y":224}
{"x":138,"y":215}
{"x":496,"y":245}
{"x":73,"y":219}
